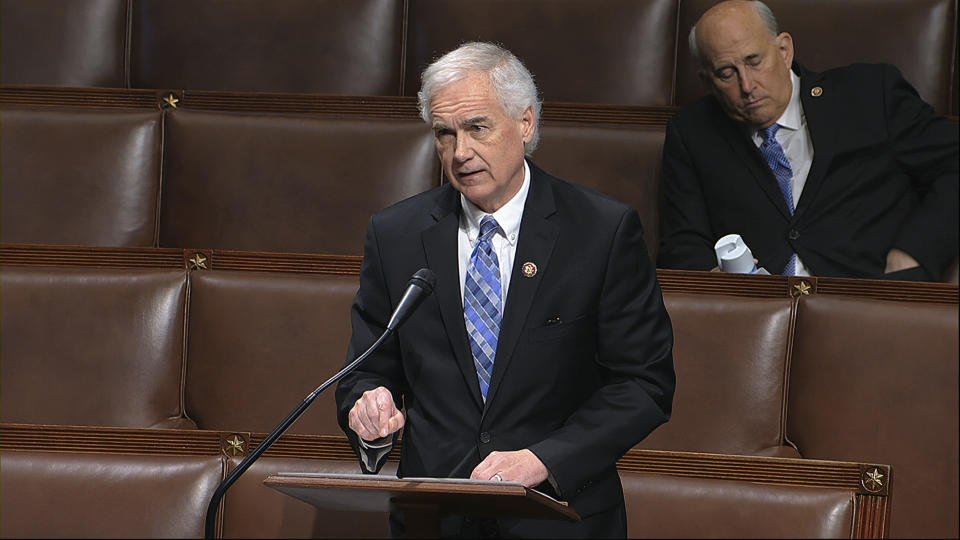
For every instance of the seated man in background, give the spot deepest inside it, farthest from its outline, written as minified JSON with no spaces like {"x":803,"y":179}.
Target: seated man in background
{"x":841,"y":173}
{"x":546,"y":351}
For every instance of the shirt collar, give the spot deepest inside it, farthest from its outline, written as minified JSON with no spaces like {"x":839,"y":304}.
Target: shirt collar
{"x":792,"y":117}
{"x":508,"y":216}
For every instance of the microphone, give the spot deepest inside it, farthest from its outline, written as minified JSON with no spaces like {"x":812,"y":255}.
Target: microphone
{"x":419,"y":287}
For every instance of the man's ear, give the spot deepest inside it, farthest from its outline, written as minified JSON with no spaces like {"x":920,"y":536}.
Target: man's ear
{"x":785,"y":48}
{"x":527,"y":125}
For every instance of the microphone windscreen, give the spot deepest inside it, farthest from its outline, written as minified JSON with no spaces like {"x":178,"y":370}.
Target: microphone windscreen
{"x":425,"y":278}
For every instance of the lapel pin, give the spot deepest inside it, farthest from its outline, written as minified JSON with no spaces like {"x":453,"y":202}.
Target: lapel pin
{"x":816,"y":91}
{"x":529,"y":269}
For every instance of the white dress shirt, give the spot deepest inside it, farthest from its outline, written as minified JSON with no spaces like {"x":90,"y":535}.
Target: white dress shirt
{"x":504,"y":240}
{"x":794,"y":137}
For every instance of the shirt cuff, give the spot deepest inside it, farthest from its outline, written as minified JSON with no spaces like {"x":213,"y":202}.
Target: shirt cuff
{"x":373,"y":455}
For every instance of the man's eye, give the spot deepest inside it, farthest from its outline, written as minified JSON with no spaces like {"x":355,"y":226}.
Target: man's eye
{"x":441,"y":133}
{"x":725,"y":74}
{"x":476,"y":128}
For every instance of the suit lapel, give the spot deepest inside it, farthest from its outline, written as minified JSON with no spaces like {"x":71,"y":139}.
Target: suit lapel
{"x":817,"y":110}
{"x":535,"y":244}
{"x":750,"y":157}
{"x":440,"y":246}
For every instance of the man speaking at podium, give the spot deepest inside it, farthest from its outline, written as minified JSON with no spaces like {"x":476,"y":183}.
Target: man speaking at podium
{"x":545,"y":353}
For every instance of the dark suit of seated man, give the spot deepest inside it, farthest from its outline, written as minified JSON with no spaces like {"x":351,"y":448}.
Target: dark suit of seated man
{"x":841,"y":173}
{"x":545,"y":352}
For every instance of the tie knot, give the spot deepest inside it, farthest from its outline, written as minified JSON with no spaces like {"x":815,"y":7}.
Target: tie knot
{"x":769,"y":132}
{"x":488,"y":227}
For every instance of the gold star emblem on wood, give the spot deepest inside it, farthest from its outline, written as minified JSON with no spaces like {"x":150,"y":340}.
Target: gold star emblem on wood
{"x":198,"y":262}
{"x":873,"y":480}
{"x":171,"y":100}
{"x":235,"y":446}
{"x":801,"y":289}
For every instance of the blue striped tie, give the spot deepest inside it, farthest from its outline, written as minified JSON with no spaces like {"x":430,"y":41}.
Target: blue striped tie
{"x":482,"y":302}
{"x":777,"y":160}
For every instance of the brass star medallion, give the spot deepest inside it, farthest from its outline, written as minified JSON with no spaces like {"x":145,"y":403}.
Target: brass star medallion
{"x":801,"y":289}
{"x":873,"y":480}
{"x":235,"y":445}
{"x":198,"y":262}
{"x":171,"y":100}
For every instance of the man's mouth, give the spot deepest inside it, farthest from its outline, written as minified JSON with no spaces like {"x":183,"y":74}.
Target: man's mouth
{"x":468,"y":175}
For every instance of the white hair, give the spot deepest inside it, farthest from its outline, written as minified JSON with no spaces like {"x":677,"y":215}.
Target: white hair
{"x":765,"y":14}
{"x":510,"y":79}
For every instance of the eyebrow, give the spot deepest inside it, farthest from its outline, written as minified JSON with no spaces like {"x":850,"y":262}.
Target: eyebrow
{"x":476,"y":120}
{"x":439,"y":125}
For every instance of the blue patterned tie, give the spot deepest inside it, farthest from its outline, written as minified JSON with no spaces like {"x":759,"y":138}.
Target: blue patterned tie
{"x":482,"y":302}
{"x":777,"y":160}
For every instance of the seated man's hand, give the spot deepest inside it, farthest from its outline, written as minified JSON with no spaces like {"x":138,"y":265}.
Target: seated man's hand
{"x":899,"y":260}
{"x":374,"y":415}
{"x":518,"y":466}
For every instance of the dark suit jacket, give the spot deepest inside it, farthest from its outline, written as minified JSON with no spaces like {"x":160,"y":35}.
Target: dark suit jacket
{"x":578,"y":394}
{"x":884,"y":176}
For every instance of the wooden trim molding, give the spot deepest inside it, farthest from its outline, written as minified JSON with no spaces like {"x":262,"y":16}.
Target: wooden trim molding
{"x":674,"y":281}
{"x":396,"y":107}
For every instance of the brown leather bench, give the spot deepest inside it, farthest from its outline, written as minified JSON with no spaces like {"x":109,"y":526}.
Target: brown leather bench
{"x":105,"y":494}
{"x":619,"y":160}
{"x":626,"y":52}
{"x":612,"y":51}
{"x":260,"y":342}
{"x":93,"y":347}
{"x":324,"y":46}
{"x":122,"y":482}
{"x":878,"y":380}
{"x":731,"y":357}
{"x":268,"y":182}
{"x":76,"y":43}
{"x":80,"y":177}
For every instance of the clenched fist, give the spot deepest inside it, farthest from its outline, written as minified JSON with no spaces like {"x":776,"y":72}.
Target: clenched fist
{"x":374,"y":415}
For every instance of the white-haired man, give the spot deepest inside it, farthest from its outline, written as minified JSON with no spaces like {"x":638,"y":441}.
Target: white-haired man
{"x":842,"y":173}
{"x":546,"y":352}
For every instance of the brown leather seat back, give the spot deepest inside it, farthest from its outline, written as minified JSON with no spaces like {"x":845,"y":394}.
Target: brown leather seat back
{"x":287,"y":183}
{"x":315,"y":46}
{"x":876,"y":381}
{"x":730,"y":355}
{"x":676,"y":507}
{"x":92,"y":347}
{"x":80,"y":177}
{"x":598,"y":51}
{"x":620,"y":161}
{"x":917,"y":36}
{"x":260,"y":342}
{"x":99,"y":495}
{"x":75,"y":43}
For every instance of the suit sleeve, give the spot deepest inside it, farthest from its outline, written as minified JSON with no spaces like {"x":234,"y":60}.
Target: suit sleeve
{"x":635,"y":358}
{"x":925,"y":146}
{"x":687,"y":238}
{"x":368,"y":318}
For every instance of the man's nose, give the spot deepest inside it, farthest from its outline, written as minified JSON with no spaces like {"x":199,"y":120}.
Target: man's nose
{"x":464,"y":148}
{"x":747,"y":84}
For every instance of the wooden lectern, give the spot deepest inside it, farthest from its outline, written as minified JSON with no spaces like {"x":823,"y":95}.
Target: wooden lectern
{"x":422,"y":500}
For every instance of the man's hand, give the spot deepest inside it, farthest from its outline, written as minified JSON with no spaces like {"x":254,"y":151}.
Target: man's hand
{"x":517,"y":466}
{"x":374,"y":415}
{"x":899,"y":260}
